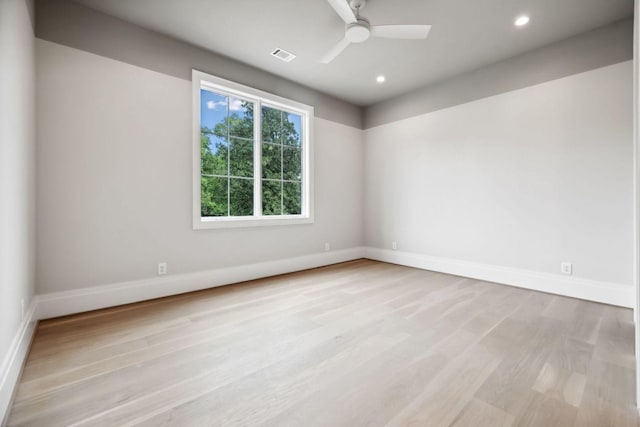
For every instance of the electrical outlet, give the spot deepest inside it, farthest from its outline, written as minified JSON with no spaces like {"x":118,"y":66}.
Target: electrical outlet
{"x":394,"y":245}
{"x":566,"y":268}
{"x":162,"y":268}
{"x":327,"y":246}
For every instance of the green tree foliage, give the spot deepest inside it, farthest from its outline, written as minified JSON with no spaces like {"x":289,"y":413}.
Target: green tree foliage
{"x":226,"y":154}
{"x":213,"y":189}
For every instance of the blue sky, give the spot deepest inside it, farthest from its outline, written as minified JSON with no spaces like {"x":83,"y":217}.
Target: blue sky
{"x":214,"y":108}
{"x":296,"y":120}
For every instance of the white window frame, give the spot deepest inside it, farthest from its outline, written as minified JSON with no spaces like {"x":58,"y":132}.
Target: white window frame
{"x":260,"y":98}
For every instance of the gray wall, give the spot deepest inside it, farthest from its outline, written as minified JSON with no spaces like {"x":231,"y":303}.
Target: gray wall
{"x":114,"y":175}
{"x":526,"y":179}
{"x":17,"y":142}
{"x":73,"y":25}
{"x":80,"y":47}
{"x":114,"y":180}
{"x":594,"y":49}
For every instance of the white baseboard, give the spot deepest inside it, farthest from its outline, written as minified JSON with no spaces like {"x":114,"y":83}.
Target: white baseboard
{"x":14,"y":360}
{"x":86,"y":299}
{"x":609,"y":293}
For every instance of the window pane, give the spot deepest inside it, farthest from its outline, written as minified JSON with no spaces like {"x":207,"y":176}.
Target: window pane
{"x":271,"y":198}
{"x":241,"y":158}
{"x":213,"y":112}
{"x":292,"y":125}
{"x":292,"y":164}
{"x":213,"y":155}
{"x":241,"y":197}
{"x":271,"y":161}
{"x":292,"y":198}
{"x":213,"y":196}
{"x":240,"y":118}
{"x":271,"y":125}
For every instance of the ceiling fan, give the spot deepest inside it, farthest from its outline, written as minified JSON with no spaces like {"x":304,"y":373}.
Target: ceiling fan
{"x":358,"y":28}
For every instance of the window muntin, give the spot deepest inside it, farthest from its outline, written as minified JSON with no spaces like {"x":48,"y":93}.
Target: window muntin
{"x":253,"y":156}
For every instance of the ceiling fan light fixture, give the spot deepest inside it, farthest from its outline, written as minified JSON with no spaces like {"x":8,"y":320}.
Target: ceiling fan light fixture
{"x":521,"y":21}
{"x":358,"y":32}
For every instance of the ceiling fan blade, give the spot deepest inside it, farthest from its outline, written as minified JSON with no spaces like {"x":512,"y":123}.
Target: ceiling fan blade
{"x":401,"y":31}
{"x":335,"y":51}
{"x":343,"y":9}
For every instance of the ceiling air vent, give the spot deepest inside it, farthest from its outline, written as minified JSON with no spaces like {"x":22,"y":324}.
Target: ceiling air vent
{"x":283,"y":54}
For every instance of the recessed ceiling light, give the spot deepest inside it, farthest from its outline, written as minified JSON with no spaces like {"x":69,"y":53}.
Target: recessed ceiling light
{"x":380,"y":79}
{"x":521,"y":21}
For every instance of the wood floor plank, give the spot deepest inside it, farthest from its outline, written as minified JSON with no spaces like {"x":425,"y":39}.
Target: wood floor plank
{"x":450,"y":392}
{"x":270,"y":391}
{"x":97,"y":394}
{"x":361,"y":343}
{"x":287,"y":377}
{"x":159,"y":344}
{"x":379,"y":398}
{"x":544,"y":410}
{"x":563,"y":375}
{"x":334,"y":392}
{"x":480,"y":414}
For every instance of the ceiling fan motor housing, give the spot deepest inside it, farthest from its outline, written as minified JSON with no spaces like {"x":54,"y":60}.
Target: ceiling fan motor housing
{"x":358,"y":32}
{"x":357,"y":4}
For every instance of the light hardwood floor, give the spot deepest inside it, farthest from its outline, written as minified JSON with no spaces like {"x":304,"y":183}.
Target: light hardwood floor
{"x":360,"y":343}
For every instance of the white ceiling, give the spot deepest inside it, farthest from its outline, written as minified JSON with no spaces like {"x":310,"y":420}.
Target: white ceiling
{"x":466,"y":34}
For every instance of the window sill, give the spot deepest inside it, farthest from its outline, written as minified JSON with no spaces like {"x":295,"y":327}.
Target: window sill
{"x":246,"y":222}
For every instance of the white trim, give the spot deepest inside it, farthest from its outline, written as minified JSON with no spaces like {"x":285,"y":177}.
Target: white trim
{"x":86,"y":299}
{"x":14,"y":360}
{"x":251,"y":221}
{"x":636,"y":189}
{"x":604,"y":292}
{"x":259,"y":98}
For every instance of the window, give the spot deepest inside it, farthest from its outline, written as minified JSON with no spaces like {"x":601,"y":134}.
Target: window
{"x":252,"y":156}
